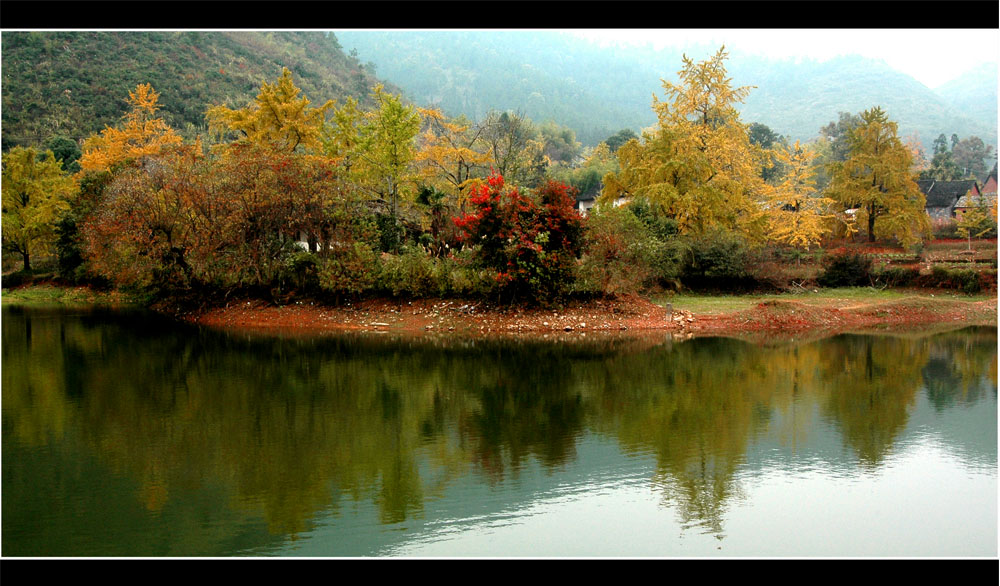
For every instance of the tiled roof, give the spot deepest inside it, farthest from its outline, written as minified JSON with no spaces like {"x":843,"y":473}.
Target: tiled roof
{"x":968,"y":201}
{"x":943,"y":194}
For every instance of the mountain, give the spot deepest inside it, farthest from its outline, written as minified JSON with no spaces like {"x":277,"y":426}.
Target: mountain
{"x":597,"y":90}
{"x":796,"y":99}
{"x":974,"y":93}
{"x":75,"y":83}
{"x":545,"y":76}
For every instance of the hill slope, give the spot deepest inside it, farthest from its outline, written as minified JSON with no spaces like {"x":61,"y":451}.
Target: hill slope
{"x":74,"y":83}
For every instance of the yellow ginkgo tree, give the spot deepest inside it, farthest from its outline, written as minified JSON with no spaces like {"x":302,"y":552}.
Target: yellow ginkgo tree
{"x":697,"y":165}
{"x":452,"y":155}
{"x":877,"y":181}
{"x":35,"y":190}
{"x":798,"y":216}
{"x":279,"y":118}
{"x":140,"y":134}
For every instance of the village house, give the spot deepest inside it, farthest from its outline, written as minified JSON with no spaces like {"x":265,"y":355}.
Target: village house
{"x":986,"y":194}
{"x":584,"y":203}
{"x":943,"y":196}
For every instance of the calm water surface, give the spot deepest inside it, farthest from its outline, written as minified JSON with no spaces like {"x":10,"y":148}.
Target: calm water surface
{"x":127,"y":435}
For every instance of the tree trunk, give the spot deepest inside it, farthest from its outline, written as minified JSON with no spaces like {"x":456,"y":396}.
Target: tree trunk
{"x":27,"y":262}
{"x":871,"y":224}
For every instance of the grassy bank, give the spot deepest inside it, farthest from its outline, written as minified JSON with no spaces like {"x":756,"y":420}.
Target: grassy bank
{"x":836,"y":297}
{"x":51,"y":294}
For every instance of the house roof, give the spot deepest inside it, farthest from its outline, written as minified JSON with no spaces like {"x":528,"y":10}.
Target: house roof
{"x":944,"y":194}
{"x":969,"y":200}
{"x":992,"y":173}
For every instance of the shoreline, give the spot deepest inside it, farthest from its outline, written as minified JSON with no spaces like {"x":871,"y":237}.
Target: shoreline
{"x":776,"y":317}
{"x":772,"y":319}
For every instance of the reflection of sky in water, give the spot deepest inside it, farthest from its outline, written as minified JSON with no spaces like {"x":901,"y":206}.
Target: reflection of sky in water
{"x":811,"y":502}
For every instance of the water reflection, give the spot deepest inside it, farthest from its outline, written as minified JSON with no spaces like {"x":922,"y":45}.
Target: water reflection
{"x":154,"y":438}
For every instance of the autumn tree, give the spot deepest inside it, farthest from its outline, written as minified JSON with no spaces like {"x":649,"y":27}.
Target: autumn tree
{"x":516,"y":147}
{"x":877,"y":181}
{"x":452,"y":155}
{"x":35,"y":191}
{"x":979,"y":220}
{"x":531,"y":246}
{"x":387,"y":147}
{"x":140,"y":134}
{"x":698,"y":165}
{"x":798,"y":215}
{"x":279,"y":117}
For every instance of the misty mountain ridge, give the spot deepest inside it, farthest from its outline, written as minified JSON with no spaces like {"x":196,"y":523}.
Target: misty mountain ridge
{"x":599,"y":88}
{"x":74,"y":83}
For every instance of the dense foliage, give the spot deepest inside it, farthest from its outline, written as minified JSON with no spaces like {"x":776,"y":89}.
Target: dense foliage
{"x":531,"y":246}
{"x":285,"y":196}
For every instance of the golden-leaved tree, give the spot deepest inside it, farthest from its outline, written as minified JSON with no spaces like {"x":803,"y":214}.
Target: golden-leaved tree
{"x":140,"y":134}
{"x":278,"y":118}
{"x":35,"y":191}
{"x":698,"y":164}
{"x":877,"y":180}
{"x":387,"y":147}
{"x":798,"y":215}
{"x":452,"y":154}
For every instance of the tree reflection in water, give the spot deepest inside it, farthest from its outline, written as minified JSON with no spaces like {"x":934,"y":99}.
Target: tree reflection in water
{"x":293,"y":426}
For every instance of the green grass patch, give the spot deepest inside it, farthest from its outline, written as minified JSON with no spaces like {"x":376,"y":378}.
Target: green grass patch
{"x":55,"y":295}
{"x":832,"y":297}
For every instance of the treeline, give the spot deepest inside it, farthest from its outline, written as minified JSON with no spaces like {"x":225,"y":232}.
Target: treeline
{"x":284,"y":196}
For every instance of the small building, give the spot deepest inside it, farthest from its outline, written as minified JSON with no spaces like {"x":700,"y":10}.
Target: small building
{"x":943,"y":196}
{"x":987,"y":194}
{"x":584,"y":203}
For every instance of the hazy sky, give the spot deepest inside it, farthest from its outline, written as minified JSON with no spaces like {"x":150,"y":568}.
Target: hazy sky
{"x":931,"y":56}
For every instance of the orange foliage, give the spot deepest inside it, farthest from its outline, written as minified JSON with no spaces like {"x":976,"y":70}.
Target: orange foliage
{"x":140,"y":134}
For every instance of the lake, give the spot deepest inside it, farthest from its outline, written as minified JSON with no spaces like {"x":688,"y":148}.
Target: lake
{"x":127,"y":434}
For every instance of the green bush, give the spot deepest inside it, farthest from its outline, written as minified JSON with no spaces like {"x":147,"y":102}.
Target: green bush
{"x":968,"y":280}
{"x":896,"y":276}
{"x":846,"y":270}
{"x":14,"y":280}
{"x":620,"y":253}
{"x":661,"y":227}
{"x":301,"y":271}
{"x":390,"y":233}
{"x":350,"y":269}
{"x":718,"y":260}
{"x":411,"y":273}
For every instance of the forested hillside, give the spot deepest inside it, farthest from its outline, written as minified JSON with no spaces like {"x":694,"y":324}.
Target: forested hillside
{"x":598,"y":90}
{"x":974,"y":93}
{"x":73,"y":84}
